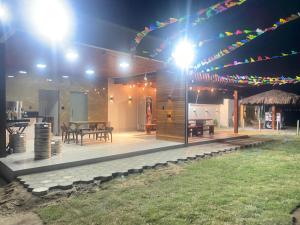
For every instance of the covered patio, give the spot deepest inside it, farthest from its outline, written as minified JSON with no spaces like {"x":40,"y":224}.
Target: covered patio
{"x":75,"y":88}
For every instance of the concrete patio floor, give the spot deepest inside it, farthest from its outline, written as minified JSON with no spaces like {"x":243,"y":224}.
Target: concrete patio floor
{"x":123,"y":145}
{"x":63,"y":179}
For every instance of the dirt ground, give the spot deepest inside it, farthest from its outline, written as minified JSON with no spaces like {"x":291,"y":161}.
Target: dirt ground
{"x":296,"y":217}
{"x":17,"y":205}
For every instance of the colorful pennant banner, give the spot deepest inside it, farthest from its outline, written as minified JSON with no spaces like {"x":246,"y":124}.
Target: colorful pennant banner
{"x":241,"y":43}
{"x":250,"y":60}
{"x":202,"y":15}
{"x":245,"y":80}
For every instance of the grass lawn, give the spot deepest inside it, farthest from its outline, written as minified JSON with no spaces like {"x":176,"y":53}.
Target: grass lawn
{"x":256,"y":186}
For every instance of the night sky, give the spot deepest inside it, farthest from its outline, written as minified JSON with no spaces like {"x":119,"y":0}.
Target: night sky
{"x":126,"y":17}
{"x":137,"y":14}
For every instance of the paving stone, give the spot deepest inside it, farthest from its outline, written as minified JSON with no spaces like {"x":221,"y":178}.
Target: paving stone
{"x":40,"y":191}
{"x":40,"y":183}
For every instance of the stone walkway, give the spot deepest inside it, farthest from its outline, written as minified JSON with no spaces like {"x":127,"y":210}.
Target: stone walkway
{"x":42,"y":183}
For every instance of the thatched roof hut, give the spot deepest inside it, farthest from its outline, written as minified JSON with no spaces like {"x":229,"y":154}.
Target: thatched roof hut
{"x":273,"y":97}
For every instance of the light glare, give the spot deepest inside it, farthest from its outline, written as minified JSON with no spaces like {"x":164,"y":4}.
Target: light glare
{"x":4,"y":13}
{"x":184,"y":54}
{"x":22,"y":72}
{"x":41,"y":66}
{"x":71,"y":55}
{"x":50,"y":18}
{"x":124,"y":65}
{"x":90,"y":72}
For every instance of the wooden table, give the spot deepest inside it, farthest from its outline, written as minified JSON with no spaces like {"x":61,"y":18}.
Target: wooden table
{"x":78,"y":124}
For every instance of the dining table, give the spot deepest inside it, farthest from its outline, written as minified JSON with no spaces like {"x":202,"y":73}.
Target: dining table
{"x":79,"y":124}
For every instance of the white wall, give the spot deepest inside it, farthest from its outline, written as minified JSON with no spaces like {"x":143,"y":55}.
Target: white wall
{"x":220,"y":112}
{"x":124,"y":115}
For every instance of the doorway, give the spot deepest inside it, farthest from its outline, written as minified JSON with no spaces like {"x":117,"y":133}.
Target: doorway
{"x":79,"y":106}
{"x":48,"y":108}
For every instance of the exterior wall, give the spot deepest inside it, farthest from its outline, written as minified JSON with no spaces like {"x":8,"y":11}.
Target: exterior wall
{"x":26,"y":88}
{"x":226,"y":110}
{"x":170,"y":107}
{"x":124,"y":115}
{"x":219,"y":112}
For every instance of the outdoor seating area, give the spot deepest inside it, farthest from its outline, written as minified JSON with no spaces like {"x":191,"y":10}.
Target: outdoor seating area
{"x":199,"y":126}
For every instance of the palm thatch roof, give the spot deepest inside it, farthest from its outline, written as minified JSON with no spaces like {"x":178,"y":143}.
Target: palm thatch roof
{"x":273,"y":97}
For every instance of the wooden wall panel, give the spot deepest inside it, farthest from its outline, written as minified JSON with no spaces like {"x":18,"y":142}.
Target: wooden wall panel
{"x":170,"y":97}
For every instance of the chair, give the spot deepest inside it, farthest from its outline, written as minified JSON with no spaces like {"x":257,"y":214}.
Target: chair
{"x":66,"y":132}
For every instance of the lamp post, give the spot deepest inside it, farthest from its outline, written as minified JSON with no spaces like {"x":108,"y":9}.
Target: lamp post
{"x":50,"y":19}
{"x":184,"y":56}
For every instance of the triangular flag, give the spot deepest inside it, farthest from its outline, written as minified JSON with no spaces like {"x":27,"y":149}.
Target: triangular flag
{"x":267,"y":58}
{"x":259,"y":58}
{"x":252,"y":60}
{"x":246,"y":61}
{"x":221,"y":35}
{"x":228,"y":33}
{"x":238,"y":32}
{"x":282,"y":21}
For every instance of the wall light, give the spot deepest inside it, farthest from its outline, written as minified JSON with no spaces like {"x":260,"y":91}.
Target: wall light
{"x":65,"y":77}
{"x":22,"y":72}
{"x":111,"y":98}
{"x":10,"y":76}
{"x":124,"y":65}
{"x":129,"y":99}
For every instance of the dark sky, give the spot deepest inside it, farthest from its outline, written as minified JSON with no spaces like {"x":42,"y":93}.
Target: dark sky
{"x":138,"y":13}
{"x":135,"y":14}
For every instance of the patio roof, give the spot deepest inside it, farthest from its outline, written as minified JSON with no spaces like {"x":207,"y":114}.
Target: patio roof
{"x":23,"y":52}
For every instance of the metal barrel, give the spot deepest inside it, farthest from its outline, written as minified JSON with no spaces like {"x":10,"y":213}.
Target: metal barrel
{"x":17,"y":142}
{"x":42,"y":141}
{"x":55,"y":147}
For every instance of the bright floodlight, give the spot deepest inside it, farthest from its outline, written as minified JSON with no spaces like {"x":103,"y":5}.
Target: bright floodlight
{"x":124,"y":65}
{"x":50,"y":18}
{"x":184,"y":54}
{"x":4,"y":13}
{"x":71,"y":55}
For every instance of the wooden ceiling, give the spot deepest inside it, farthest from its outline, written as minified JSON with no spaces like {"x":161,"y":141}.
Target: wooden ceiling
{"x":24,"y":52}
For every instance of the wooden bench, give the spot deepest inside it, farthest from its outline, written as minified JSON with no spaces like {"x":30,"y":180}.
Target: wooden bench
{"x":198,"y":130}
{"x":104,"y":133}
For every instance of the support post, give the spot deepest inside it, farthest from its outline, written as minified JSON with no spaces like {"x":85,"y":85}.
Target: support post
{"x":186,"y":105}
{"x":297,"y":127}
{"x":2,"y":101}
{"x":235,"y":112}
{"x":273,"y":117}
